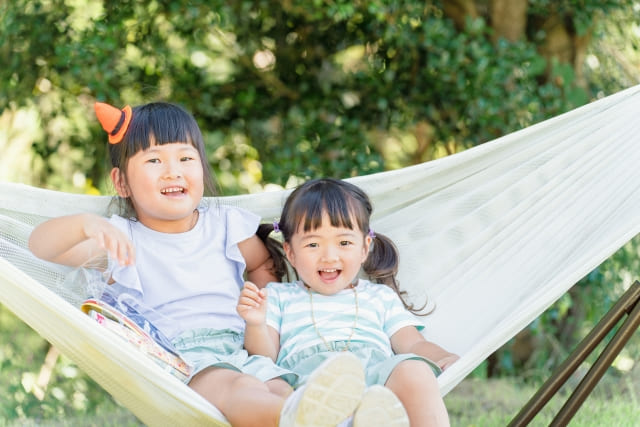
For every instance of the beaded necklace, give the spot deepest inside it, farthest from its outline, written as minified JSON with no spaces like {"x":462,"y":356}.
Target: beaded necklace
{"x":355,"y":319}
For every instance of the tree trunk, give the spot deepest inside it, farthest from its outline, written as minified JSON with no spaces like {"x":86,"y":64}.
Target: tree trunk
{"x":564,"y":44}
{"x":458,"y":10}
{"x":508,"y":19}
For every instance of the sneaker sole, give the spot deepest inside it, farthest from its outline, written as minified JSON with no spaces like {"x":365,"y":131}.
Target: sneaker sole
{"x":332,"y":393}
{"x":380,"y":407}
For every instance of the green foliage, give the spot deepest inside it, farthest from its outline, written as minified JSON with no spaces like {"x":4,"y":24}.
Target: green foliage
{"x":280,"y":90}
{"x":285,"y":91}
{"x":613,"y":60}
{"x":69,"y":391}
{"x":581,"y":13}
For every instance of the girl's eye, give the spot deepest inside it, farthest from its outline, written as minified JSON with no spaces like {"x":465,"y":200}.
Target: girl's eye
{"x":312,"y":245}
{"x":153,"y":160}
{"x":186,"y":159}
{"x":345,"y":243}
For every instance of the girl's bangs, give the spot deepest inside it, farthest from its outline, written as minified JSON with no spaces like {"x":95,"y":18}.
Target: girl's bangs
{"x":160,"y":126}
{"x":339,"y":207}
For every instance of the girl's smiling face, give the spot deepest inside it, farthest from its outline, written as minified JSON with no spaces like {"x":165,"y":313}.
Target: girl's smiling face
{"x":165,"y":183}
{"x":327,"y":258}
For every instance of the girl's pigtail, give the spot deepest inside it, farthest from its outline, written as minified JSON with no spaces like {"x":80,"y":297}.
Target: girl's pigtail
{"x":381,"y":266}
{"x":280,"y":266}
{"x":382,"y":263}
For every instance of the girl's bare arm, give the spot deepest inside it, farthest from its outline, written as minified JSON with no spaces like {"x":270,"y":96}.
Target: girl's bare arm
{"x":80,"y":240}
{"x":258,"y":260}
{"x":410,"y":340}
{"x":259,"y":338}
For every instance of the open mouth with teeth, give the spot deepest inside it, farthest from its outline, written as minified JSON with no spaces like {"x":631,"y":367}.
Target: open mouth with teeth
{"x":329,"y":274}
{"x":173,"y":191}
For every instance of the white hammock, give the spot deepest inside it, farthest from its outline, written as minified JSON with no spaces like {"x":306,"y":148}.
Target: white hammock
{"x":492,"y":236}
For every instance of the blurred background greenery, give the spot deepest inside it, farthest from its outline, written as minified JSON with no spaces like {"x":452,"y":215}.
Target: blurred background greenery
{"x":285,"y":91}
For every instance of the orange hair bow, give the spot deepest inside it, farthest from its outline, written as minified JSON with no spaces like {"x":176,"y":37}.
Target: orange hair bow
{"x":114,"y":121}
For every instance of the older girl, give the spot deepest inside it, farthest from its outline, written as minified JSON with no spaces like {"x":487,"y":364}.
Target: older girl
{"x":184,"y":259}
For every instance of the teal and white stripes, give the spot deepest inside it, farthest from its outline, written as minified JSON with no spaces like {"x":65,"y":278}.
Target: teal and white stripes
{"x":380,"y":314}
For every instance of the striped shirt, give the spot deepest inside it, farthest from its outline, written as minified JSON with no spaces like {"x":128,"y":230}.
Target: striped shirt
{"x":380,"y":314}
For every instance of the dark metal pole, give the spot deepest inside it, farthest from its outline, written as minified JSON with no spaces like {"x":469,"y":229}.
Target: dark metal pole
{"x":606,"y":358}
{"x":624,"y":305}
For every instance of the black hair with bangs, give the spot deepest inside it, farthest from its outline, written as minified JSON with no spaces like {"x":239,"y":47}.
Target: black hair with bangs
{"x":342,"y":202}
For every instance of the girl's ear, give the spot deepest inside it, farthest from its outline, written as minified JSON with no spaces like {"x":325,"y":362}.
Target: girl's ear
{"x":289,"y":253}
{"x":367,"y":246}
{"x":120,"y":184}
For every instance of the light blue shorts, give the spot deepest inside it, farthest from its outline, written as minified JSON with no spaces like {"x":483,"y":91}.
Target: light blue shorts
{"x":204,"y":348}
{"x":378,"y":365}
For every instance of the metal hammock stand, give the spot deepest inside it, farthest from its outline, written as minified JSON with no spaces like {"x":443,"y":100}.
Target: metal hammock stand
{"x":628,"y":305}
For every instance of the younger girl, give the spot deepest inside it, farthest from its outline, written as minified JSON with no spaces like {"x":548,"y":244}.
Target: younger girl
{"x":325,"y":228}
{"x":183,"y":259}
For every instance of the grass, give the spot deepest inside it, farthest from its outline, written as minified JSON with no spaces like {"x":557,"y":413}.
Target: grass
{"x":108,"y":416}
{"x":615,"y":401}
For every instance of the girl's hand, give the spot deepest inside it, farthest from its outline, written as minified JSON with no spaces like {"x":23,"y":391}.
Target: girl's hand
{"x":109,"y":238}
{"x":252,"y":305}
{"x":447,"y":361}
{"x":409,"y":340}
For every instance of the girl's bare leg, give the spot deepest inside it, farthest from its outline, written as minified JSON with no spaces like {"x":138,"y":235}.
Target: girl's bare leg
{"x":416,"y":386}
{"x":244,"y":400}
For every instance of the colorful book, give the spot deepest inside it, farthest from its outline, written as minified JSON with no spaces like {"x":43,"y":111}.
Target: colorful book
{"x":127,"y":322}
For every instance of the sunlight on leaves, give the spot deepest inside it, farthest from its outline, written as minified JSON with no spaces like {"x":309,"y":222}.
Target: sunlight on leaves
{"x":18,"y":130}
{"x":351,"y":58}
{"x":28,"y":381}
{"x":84,"y":12}
{"x":624,"y":363}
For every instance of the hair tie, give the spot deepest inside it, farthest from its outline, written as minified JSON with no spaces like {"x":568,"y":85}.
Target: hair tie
{"x":372,"y":234}
{"x":113,"y":120}
{"x":276,"y":227}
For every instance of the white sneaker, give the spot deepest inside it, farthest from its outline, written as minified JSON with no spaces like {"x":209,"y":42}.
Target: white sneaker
{"x":380,"y":407}
{"x":331,"y":394}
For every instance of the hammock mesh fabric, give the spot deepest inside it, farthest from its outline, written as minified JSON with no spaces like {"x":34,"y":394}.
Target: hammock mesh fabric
{"x":492,"y":236}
